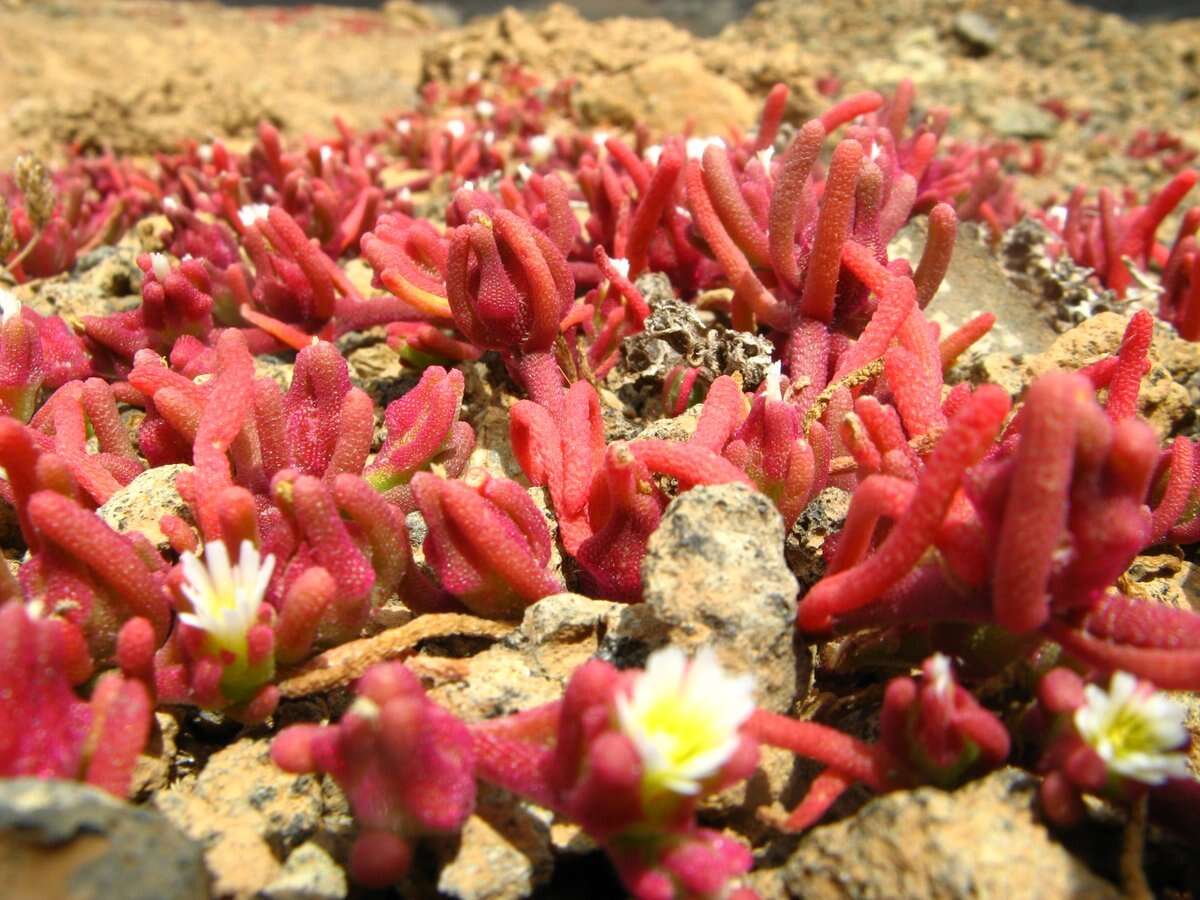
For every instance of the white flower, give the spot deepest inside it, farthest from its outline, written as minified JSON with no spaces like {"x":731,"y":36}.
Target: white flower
{"x":600,"y":138}
{"x":773,"y":389}
{"x":160,"y":265}
{"x":225,"y":599}
{"x":541,"y":146}
{"x":1137,"y":731}
{"x":205,"y":152}
{"x":653,"y":153}
{"x":696,"y":146}
{"x":485,"y":109}
{"x":524,"y":172}
{"x":326,"y":153}
{"x":1057,"y":215}
{"x":9,"y":306}
{"x":404,"y":126}
{"x":764,"y":156}
{"x":489,"y":137}
{"x":684,"y":718}
{"x":621,"y":265}
{"x":457,"y":128}
{"x":941,"y":674}
{"x":170,"y":204}
{"x":253,"y":212}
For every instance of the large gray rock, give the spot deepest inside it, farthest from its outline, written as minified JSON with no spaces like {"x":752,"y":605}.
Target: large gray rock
{"x":65,"y":841}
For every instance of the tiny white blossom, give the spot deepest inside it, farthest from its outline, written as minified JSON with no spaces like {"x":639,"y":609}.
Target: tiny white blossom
{"x":326,"y":153}
{"x":225,"y":599}
{"x":485,"y":109}
{"x":876,"y":151}
{"x":524,"y":172}
{"x":253,"y":212}
{"x":170,"y":204}
{"x":600,"y":138}
{"x":489,"y":137}
{"x":1136,"y":730}
{"x":764,"y":156}
{"x":653,"y":153}
{"x":404,"y":126}
{"x":696,"y":146}
{"x":473,"y":76}
{"x":541,"y":147}
{"x":457,"y":128}
{"x":405,"y":194}
{"x":160,"y":265}
{"x":942,"y":674}
{"x":621,"y":265}
{"x":9,"y":306}
{"x":773,"y":390}
{"x":684,"y":719}
{"x":205,"y":152}
{"x":1057,"y":215}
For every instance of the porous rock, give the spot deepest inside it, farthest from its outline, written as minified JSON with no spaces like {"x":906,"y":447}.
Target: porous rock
{"x":676,"y":333}
{"x":309,"y":873}
{"x":503,"y":852}
{"x":714,"y":574}
{"x":246,"y":812}
{"x":823,"y":516}
{"x":59,"y":839}
{"x":140,"y":504}
{"x":985,"y":840}
{"x":532,"y":664}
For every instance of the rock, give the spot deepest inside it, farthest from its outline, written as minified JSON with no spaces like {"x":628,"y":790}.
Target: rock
{"x":714,"y":574}
{"x":976,"y":283}
{"x":557,"y":42}
{"x":676,"y":333}
{"x":1165,"y":404}
{"x":502,"y":854}
{"x":985,"y":840}
{"x":153,"y":769}
{"x":376,"y":368}
{"x":1020,"y":119}
{"x":665,"y":92}
{"x":59,"y":839}
{"x":823,"y":516}
{"x":140,"y":504}
{"x":246,"y":812}
{"x":1063,"y":287}
{"x":532,"y":664}
{"x":308,"y":874}
{"x":980,"y":35}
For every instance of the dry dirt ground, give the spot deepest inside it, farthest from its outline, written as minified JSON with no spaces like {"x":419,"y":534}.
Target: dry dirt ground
{"x":138,"y":76}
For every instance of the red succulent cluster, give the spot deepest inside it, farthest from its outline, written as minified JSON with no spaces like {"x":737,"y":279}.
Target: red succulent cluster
{"x":987,"y":536}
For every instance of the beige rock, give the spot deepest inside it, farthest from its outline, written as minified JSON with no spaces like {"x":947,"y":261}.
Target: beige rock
{"x":532,"y":664}
{"x":140,"y":504}
{"x":503,"y":854}
{"x":309,"y":873}
{"x":823,"y":516}
{"x":714,"y":574}
{"x":664,"y":93}
{"x":246,"y":812}
{"x":985,"y":840}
